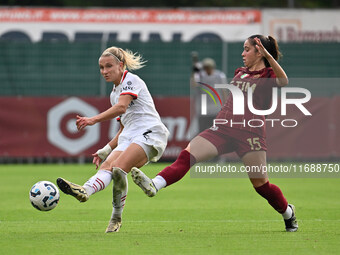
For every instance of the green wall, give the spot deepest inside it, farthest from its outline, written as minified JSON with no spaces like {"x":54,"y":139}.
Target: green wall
{"x":58,"y":69}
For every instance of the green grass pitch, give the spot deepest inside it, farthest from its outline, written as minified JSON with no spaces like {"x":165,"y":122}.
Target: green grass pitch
{"x":194,"y":216}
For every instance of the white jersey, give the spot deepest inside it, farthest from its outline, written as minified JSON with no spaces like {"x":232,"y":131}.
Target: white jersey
{"x":141,"y":118}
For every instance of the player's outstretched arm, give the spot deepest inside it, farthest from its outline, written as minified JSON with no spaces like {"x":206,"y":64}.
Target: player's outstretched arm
{"x":114,"y":111}
{"x":281,"y":76}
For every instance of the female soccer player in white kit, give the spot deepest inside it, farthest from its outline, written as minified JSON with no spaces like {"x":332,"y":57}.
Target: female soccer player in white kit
{"x":142,"y":136}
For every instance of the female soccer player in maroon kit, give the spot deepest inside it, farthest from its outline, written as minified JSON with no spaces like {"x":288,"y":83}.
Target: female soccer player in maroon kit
{"x":261,"y":72}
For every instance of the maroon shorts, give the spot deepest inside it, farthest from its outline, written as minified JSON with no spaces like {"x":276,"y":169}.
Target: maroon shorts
{"x":228,"y":140}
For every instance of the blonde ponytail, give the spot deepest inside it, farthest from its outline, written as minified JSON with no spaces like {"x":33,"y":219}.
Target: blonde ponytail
{"x":131,"y":61}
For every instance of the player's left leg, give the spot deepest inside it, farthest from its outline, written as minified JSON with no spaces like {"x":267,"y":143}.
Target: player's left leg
{"x":134,"y":155}
{"x":96,"y":183}
{"x":269,"y":191}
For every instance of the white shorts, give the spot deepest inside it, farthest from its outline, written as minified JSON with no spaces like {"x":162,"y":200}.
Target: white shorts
{"x":152,"y":141}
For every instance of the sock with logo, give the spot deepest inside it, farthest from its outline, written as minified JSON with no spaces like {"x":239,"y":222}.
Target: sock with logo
{"x":120,"y":189}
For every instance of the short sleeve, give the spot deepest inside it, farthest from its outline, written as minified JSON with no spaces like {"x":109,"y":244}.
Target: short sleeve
{"x":270,"y":73}
{"x":131,"y":87}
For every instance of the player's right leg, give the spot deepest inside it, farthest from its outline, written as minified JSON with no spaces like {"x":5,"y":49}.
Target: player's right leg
{"x":269,"y":191}
{"x":119,"y":192}
{"x":134,"y":155}
{"x":95,"y":184}
{"x":198,"y":150}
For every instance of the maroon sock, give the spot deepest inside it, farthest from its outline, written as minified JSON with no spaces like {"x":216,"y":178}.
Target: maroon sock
{"x":179,"y":168}
{"x":274,"y":196}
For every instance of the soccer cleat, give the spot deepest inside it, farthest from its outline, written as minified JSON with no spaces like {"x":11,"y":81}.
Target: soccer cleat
{"x":144,"y":182}
{"x":72,"y":189}
{"x":114,"y":225}
{"x":291,"y":224}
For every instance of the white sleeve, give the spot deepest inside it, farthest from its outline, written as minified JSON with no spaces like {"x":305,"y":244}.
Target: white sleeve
{"x":132,"y":87}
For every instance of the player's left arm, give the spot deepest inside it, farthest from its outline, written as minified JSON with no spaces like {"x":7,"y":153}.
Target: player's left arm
{"x":114,"y":111}
{"x":281,"y":76}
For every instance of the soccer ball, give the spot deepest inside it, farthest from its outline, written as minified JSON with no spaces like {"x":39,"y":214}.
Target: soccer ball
{"x":44,"y":196}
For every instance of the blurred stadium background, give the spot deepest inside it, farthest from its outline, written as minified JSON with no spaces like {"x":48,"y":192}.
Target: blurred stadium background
{"x":49,"y":73}
{"x":49,"y":70}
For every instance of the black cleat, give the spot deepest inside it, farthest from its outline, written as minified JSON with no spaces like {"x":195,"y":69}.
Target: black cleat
{"x":291,"y":224}
{"x":72,"y":189}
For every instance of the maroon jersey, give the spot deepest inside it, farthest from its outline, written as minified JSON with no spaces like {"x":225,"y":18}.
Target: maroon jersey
{"x":261,"y":82}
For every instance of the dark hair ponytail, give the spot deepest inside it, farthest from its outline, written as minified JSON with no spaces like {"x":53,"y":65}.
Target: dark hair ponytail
{"x":270,"y":45}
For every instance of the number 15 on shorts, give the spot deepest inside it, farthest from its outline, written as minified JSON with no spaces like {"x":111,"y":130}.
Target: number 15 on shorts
{"x":254,"y":143}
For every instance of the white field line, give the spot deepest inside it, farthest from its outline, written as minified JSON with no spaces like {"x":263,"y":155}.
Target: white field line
{"x":172,"y":221}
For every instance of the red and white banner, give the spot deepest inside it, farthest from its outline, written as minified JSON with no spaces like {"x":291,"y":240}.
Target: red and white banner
{"x":230,"y":25}
{"x":53,"y":24}
{"x":130,"y":15}
{"x":315,"y":137}
{"x":45,"y":127}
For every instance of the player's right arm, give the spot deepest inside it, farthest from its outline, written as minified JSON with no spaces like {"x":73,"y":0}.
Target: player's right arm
{"x":114,"y":111}
{"x":281,"y":76}
{"x":102,"y":154}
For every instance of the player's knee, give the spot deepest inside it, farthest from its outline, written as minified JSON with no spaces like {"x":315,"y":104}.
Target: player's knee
{"x":124,"y":166}
{"x":106,"y":166}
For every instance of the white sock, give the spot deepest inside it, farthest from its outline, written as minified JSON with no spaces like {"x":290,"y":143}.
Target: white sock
{"x":159,"y":182}
{"x":98,"y":182}
{"x":288,"y":213}
{"x":120,"y":189}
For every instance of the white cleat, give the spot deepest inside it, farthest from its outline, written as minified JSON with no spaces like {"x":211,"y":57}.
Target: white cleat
{"x":114,"y":225}
{"x":144,"y":182}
